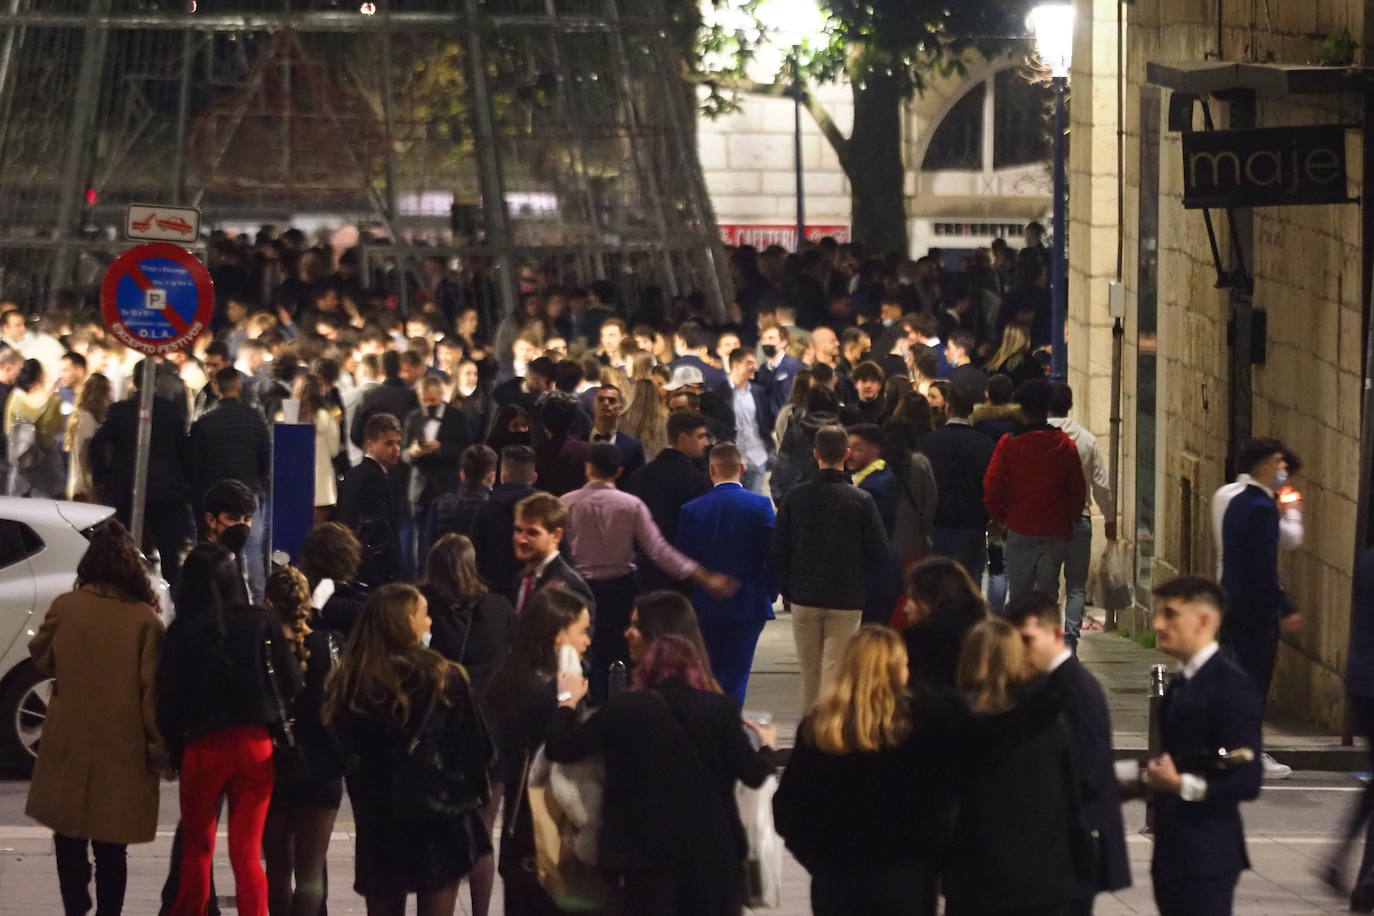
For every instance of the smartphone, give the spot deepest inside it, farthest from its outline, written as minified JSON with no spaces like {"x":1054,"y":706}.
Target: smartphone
{"x":569,"y":660}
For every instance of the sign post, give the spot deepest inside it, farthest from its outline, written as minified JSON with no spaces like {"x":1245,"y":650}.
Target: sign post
{"x":156,"y":299}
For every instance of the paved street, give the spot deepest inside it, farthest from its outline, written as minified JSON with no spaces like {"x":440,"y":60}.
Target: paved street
{"x":1290,"y":828}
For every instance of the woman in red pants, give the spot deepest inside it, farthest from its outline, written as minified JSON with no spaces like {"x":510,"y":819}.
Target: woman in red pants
{"x":215,"y":708}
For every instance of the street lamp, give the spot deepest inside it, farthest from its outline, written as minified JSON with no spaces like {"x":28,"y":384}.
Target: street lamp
{"x":791,"y":23}
{"x":1052,"y":26}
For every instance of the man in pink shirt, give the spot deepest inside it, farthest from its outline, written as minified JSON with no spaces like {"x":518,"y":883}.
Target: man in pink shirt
{"x":605,"y":524}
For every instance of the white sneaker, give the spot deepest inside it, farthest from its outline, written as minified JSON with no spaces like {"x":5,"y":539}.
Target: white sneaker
{"x":1273,"y":769}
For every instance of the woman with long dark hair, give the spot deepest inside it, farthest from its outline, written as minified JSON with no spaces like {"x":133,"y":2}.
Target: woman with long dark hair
{"x":794,"y":462}
{"x":674,"y":749}
{"x":521,"y":701}
{"x":95,"y":783}
{"x":393,"y":700}
{"x":943,"y":605}
{"x":796,"y":400}
{"x":473,"y":627}
{"x":510,"y":426}
{"x":33,"y":418}
{"x":912,"y":477}
{"x":215,"y":707}
{"x":665,"y":613}
{"x":91,"y":405}
{"x":304,"y":804}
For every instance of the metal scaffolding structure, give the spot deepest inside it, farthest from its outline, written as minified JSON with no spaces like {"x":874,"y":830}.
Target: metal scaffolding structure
{"x":551,"y":135}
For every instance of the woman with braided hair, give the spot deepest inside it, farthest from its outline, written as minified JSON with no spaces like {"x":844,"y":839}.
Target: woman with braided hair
{"x":304,"y":804}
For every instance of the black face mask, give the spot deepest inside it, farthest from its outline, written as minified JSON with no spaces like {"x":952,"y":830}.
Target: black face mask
{"x":518,"y":438}
{"x":235,"y":537}
{"x":769,"y":350}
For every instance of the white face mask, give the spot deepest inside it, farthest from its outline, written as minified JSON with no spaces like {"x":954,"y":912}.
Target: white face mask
{"x":425,"y":640}
{"x":1280,"y":478}
{"x":466,"y":390}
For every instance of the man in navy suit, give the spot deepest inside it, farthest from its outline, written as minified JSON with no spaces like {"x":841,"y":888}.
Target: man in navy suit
{"x":1036,"y":616}
{"x":731,"y":530}
{"x":609,"y":404}
{"x":1213,"y":705}
{"x":752,"y":424}
{"x":1258,"y":608}
{"x":778,"y":370}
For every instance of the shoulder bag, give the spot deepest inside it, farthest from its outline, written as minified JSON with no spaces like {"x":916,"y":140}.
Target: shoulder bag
{"x":427,"y":784}
{"x":287,"y":755}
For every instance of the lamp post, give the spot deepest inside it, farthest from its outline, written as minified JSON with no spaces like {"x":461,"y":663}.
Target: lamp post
{"x":1052,"y":26}
{"x":790,"y":24}
{"x":797,"y":91}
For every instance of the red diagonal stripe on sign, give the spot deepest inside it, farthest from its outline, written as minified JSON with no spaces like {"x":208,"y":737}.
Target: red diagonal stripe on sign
{"x":141,"y":280}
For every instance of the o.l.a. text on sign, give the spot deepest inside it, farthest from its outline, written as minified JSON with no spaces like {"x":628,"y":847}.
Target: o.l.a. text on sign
{"x":1266,"y":167}
{"x":154,"y":223}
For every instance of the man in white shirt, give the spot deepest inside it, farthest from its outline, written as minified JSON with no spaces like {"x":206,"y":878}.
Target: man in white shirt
{"x":753,"y":419}
{"x":1080,"y":553}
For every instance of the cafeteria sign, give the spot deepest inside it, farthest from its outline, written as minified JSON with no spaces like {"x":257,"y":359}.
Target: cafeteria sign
{"x":1267,"y":167}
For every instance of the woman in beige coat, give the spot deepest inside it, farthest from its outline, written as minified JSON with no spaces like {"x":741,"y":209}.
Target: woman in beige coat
{"x":96,"y":778}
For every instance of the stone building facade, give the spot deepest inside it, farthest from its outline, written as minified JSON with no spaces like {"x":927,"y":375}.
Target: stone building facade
{"x":1184,"y":402}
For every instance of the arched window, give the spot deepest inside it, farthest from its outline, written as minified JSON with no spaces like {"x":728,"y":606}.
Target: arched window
{"x":1000,"y":122}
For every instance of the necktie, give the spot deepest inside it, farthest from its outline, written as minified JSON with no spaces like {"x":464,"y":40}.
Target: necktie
{"x":525,"y":589}
{"x":598,"y":437}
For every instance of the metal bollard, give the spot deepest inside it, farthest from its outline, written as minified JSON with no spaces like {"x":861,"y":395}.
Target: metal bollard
{"x":1158,"y":674}
{"x":618,"y":679}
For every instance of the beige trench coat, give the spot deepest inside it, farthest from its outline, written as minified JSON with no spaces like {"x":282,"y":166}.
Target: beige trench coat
{"x":95,"y":776}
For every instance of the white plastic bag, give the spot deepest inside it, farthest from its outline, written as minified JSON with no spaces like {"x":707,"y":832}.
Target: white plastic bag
{"x":763,"y":864}
{"x":1113,"y":586}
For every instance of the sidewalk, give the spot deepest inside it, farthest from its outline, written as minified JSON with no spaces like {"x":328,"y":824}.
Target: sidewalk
{"x":1122,"y":666}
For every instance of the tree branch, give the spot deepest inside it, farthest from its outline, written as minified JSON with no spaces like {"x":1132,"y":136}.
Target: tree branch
{"x":829,"y":129}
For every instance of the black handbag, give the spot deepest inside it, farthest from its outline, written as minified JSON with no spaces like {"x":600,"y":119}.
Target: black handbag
{"x":287,"y":755}
{"x":429,"y":782}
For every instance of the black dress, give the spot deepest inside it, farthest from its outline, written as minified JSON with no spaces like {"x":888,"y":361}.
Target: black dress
{"x":322,"y":784}
{"x":476,"y":635}
{"x":402,"y":857}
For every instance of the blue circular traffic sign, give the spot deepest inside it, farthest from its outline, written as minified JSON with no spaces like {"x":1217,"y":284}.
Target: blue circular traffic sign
{"x":157,"y":298}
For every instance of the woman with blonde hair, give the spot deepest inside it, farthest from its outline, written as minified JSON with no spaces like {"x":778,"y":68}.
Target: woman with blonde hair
{"x":1013,"y":358}
{"x":399,"y":708}
{"x":870,"y":766}
{"x":310,"y":390}
{"x":91,"y":405}
{"x":646,"y":418}
{"x":642,"y":365}
{"x":1013,"y":851}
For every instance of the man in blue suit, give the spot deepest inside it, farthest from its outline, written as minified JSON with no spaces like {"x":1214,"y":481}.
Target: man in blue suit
{"x":778,"y":370}
{"x":734,"y":529}
{"x":1212,"y":704}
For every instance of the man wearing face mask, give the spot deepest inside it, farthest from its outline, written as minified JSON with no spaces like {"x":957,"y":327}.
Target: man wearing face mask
{"x":227,"y":517}
{"x":777,"y":370}
{"x":1258,"y":607}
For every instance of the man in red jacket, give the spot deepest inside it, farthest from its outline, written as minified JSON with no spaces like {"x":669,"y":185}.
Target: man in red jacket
{"x":1034,"y":489}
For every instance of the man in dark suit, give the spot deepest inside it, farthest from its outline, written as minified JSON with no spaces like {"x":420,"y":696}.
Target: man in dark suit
{"x":166,"y":501}
{"x":778,"y":370}
{"x":493,"y":526}
{"x":730,"y":530}
{"x":1258,"y":608}
{"x":1036,"y":615}
{"x":365,"y":501}
{"x":694,"y":343}
{"x":394,"y":396}
{"x":1199,"y":838}
{"x":670,"y":481}
{"x":432,"y":441}
{"x":751,"y":419}
{"x":540,"y":520}
{"x":608,"y":405}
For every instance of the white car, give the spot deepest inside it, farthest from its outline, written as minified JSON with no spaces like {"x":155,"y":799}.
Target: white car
{"x":41,"y":543}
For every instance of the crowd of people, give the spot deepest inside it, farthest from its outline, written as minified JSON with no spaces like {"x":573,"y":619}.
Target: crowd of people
{"x":513,"y":511}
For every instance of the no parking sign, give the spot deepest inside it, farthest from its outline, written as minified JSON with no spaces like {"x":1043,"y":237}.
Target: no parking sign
{"x":157,"y":298}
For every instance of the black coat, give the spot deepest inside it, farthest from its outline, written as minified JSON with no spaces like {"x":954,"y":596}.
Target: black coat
{"x":476,"y":635}
{"x":558,"y":574}
{"x":323,"y":762}
{"x":673,"y":755}
{"x":365,"y":506}
{"x":869,"y":811}
{"x":827,"y":532}
{"x":666,"y":484}
{"x":208,"y":682}
{"x":959,"y":457}
{"x":1014,"y":847}
{"x":1220,"y":707}
{"x":435,"y":474}
{"x":392,"y":396}
{"x":493,"y":530}
{"x":1085,"y":710}
{"x":115,"y":443}
{"x":230,"y":441}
